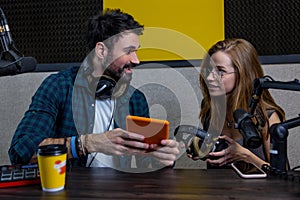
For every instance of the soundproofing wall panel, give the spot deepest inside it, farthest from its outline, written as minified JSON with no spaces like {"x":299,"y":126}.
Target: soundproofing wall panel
{"x":272,"y":26}
{"x":51,"y":31}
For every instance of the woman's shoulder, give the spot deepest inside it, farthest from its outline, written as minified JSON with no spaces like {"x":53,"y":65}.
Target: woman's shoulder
{"x":270,"y":111}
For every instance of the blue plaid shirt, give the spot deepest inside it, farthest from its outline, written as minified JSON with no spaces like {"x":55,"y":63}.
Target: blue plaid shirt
{"x":64,"y":106}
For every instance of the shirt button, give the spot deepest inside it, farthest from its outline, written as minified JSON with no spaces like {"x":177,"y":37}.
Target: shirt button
{"x":93,"y":105}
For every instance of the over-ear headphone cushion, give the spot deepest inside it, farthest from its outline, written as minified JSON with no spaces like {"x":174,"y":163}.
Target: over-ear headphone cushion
{"x":105,"y":87}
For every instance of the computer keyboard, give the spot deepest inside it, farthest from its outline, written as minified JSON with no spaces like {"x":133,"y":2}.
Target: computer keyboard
{"x":18,"y":175}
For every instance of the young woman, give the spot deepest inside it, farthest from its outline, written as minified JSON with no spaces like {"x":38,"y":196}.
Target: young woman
{"x":226,"y":82}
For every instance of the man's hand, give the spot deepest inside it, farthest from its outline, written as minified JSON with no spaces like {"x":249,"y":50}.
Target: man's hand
{"x":166,"y":152}
{"x":49,"y":141}
{"x":115,"y":142}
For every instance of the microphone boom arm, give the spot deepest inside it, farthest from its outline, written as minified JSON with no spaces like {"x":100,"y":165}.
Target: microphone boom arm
{"x":267,"y":82}
{"x":278,"y":132}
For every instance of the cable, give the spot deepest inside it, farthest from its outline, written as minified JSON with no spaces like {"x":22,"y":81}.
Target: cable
{"x":290,"y":175}
{"x":107,"y":129}
{"x":295,"y":168}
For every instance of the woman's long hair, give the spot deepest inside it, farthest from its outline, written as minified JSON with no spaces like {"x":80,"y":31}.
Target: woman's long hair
{"x":247,"y":66}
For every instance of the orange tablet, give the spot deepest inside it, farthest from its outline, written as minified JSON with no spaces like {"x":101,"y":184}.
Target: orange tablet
{"x":154,"y":130}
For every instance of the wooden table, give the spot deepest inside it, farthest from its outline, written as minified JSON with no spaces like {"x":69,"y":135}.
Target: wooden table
{"x":105,"y":183}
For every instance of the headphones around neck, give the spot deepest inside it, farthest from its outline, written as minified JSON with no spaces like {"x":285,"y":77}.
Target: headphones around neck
{"x":105,"y":87}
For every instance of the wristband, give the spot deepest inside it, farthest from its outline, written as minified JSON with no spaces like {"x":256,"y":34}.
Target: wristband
{"x":80,"y":147}
{"x":73,"y":147}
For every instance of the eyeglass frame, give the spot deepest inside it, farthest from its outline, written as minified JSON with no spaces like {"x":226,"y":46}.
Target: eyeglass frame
{"x":220,"y":73}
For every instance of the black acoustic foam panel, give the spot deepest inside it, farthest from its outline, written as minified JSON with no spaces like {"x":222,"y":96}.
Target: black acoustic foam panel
{"x":51,"y":31}
{"x":272,"y":26}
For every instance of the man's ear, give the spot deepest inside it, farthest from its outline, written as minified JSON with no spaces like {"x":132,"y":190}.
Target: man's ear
{"x":100,"y":50}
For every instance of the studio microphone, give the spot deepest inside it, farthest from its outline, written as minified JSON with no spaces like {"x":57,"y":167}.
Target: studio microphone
{"x":19,"y":66}
{"x":12,"y":62}
{"x":5,"y":28}
{"x":247,"y":128}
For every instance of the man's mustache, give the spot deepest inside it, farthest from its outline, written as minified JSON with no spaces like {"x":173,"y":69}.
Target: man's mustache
{"x":129,"y":65}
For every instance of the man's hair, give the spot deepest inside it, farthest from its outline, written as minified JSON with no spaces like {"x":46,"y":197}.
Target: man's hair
{"x":110,"y":23}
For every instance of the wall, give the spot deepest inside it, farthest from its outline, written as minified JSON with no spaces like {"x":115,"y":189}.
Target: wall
{"x":170,"y":31}
{"x":172,"y":93}
{"x":16,"y":92}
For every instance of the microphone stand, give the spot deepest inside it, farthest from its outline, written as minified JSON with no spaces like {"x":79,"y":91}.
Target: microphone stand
{"x":278,"y":152}
{"x":267,"y":82}
{"x":6,"y":41}
{"x":3,"y":39}
{"x":278,"y":132}
{"x":10,"y":58}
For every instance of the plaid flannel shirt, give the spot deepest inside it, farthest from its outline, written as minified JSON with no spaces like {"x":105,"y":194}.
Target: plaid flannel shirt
{"x":64,"y":106}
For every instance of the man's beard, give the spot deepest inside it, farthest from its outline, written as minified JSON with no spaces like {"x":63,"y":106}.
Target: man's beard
{"x":122,"y":80}
{"x":119,"y":75}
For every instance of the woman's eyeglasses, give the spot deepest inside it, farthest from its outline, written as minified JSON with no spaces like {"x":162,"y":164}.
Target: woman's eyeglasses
{"x":215,"y":71}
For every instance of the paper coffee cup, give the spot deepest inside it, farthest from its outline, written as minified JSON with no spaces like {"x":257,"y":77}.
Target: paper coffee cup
{"x":52,"y":166}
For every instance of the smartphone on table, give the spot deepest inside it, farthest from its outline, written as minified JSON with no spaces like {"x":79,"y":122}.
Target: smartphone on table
{"x":248,"y":170}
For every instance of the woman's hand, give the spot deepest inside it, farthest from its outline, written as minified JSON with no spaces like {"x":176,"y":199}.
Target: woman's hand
{"x":233,"y":152}
{"x":191,"y":154}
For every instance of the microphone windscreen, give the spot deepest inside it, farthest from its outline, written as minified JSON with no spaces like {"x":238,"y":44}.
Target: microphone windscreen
{"x":28,"y":64}
{"x":237,"y":114}
{"x":247,"y":128}
{"x":7,"y":68}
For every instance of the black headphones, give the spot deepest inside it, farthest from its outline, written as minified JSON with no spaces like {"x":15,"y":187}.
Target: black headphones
{"x":104,"y":87}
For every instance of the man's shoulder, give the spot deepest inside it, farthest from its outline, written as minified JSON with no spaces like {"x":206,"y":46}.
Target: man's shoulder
{"x":64,"y":75}
{"x":134,"y":92}
{"x":70,"y":72}
{"x":133,"y":95}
